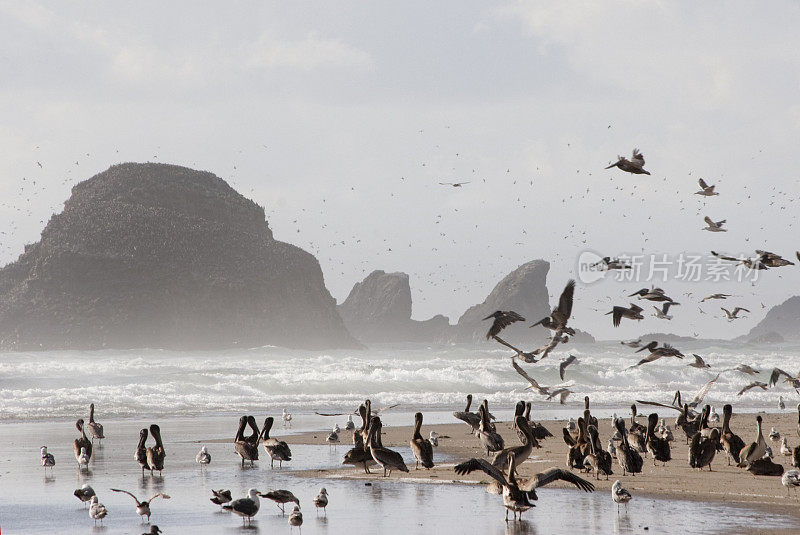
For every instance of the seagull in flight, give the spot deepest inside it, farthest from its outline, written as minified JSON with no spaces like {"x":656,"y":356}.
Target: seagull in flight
{"x":454,"y":184}
{"x":705,"y":189}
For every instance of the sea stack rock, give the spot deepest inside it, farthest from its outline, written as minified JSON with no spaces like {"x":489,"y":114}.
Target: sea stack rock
{"x":378,"y":309}
{"x":782,"y":320}
{"x":162,"y":256}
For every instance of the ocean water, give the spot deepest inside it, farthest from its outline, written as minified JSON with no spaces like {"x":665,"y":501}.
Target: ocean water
{"x":60,"y":384}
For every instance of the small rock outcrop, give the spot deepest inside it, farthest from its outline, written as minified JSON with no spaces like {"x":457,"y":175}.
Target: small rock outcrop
{"x":162,"y":256}
{"x":783,"y":320}
{"x":378,"y":309}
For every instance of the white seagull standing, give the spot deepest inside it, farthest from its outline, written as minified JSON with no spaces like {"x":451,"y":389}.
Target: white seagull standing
{"x":620,"y":495}
{"x":97,"y":511}
{"x":203,"y":457}
{"x":48,"y":461}
{"x":245,"y":507}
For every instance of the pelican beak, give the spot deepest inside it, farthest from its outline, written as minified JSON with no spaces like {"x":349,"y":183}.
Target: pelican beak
{"x":612,"y":165}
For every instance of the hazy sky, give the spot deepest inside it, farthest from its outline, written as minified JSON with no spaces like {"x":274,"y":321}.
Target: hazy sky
{"x":342,"y":117}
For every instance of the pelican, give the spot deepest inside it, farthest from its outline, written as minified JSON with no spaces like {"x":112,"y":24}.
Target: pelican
{"x":608,"y":263}
{"x":296,"y":517}
{"x":246,"y":449}
{"x":81,"y":443}
{"x":744,"y":368}
{"x":765,"y":467}
{"x":278,"y":450}
{"x":287,"y":419}
{"x":156,"y":454}
{"x":755,"y":450}
{"x":281,"y":497}
{"x":203,"y":457}
{"x":85,"y":493}
{"x":470,"y":418}
{"x":715,"y":296}
{"x":638,"y":432}
{"x":517,"y":493}
{"x":790,"y":479}
{"x":657,"y":353}
{"x":247,"y":507}
{"x":792,"y":380}
{"x":557,"y":320}
{"x":705,"y":189}
{"x":321,"y":500}
{"x":387,"y":459}
{"x":632,"y":343}
{"x":754,"y":384}
{"x":490,"y":439}
{"x":599,"y":460}
{"x":731,"y":442}
{"x":95,"y":429}
{"x":657,"y":446}
{"x":520,"y":453}
{"x":538,"y":431}
{"x":653,"y":294}
{"x":422,"y":449}
{"x":633,"y":313}
{"x":97,"y":511}
{"x":140,"y":455}
{"x":154,"y":530}
{"x":620,"y":495}
{"x":502,"y":319}
{"x":634,"y":166}
{"x":749,"y":263}
{"x":629,"y":460}
{"x":221,"y":496}
{"x":48,"y":461}
{"x":714,"y":226}
{"x":662,"y":313}
{"x":702,"y":449}
{"x":733,"y":315}
{"x":143,"y":507}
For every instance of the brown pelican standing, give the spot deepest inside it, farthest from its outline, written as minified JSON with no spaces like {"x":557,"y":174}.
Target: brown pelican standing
{"x":140,"y":455}
{"x":705,"y":189}
{"x":156,"y":454}
{"x":714,"y":226}
{"x":490,"y":439}
{"x":608,"y":263}
{"x":629,"y":459}
{"x":538,"y":431}
{"x":95,"y":429}
{"x":517,"y":493}
{"x":247,"y":507}
{"x":731,"y":442}
{"x":422,"y":449}
{"x":81,"y":443}
{"x":276,"y":449}
{"x":143,"y":507}
{"x":453,"y":184}
{"x":634,"y":166}
{"x":657,"y":446}
{"x":633,"y":313}
{"x":756,"y":449}
{"x":470,"y":418}
{"x":599,"y":459}
{"x":387,"y":459}
{"x":359,"y":455}
{"x":246,"y":449}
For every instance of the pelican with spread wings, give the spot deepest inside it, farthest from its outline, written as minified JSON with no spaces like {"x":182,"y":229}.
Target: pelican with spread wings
{"x":634,"y":166}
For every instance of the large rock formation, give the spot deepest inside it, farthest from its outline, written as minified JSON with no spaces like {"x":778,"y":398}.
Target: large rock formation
{"x":154,"y":255}
{"x":378,"y":309}
{"x":783,"y":320}
{"x":524,"y":291}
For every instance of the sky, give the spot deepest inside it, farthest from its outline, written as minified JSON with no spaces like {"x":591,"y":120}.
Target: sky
{"x":342,"y":118}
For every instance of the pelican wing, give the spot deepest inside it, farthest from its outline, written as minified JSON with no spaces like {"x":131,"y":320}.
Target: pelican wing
{"x":776,"y":374}
{"x":564,"y":364}
{"x":543,"y":391}
{"x":554,"y":474}
{"x":723,"y":257}
{"x":656,"y":404}
{"x":698,"y":398}
{"x":568,"y":438}
{"x":129,"y":494}
{"x":470,"y":466}
{"x":759,"y":384}
{"x":637,"y":158}
{"x":565,"y":301}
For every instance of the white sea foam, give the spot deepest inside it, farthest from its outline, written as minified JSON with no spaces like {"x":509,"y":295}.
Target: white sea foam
{"x":126,"y":383}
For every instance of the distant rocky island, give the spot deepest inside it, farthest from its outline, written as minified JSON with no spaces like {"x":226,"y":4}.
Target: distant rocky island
{"x":162,"y":256}
{"x":782,"y":322}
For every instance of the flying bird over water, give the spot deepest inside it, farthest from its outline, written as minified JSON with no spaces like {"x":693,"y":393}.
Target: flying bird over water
{"x":634,"y":313}
{"x":733,"y":315}
{"x":772,"y":260}
{"x":572,"y":359}
{"x":754,"y":384}
{"x":698,"y":362}
{"x":705,"y":189}
{"x":793,"y":380}
{"x":632,"y":343}
{"x":744,"y":368}
{"x":502,"y":319}
{"x":657,"y":353}
{"x":534,"y":384}
{"x":635,"y":165}
{"x":714,"y":226}
{"x":557,"y":320}
{"x":662,"y":313}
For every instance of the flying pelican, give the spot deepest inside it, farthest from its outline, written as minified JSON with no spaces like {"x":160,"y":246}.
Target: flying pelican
{"x":203,"y":457}
{"x":517,"y":493}
{"x":143,"y":507}
{"x":749,"y":263}
{"x":321,"y":500}
{"x":296,"y":517}
{"x":705,"y":189}
{"x":662,"y":313}
{"x":95,"y":429}
{"x":422,"y":449}
{"x":714,"y":226}
{"x":620,"y":495}
{"x":48,"y":461}
{"x":698,"y":362}
{"x":744,"y":368}
{"x":715,"y":296}
{"x":84,"y":494}
{"x":281,"y":497}
{"x":657,"y":353}
{"x":634,"y":166}
{"x":703,"y":449}
{"x":754,"y":384}
{"x":733,"y":315}
{"x":502,"y":319}
{"x":572,"y":359}
{"x":772,"y":260}
{"x":156,"y":454}
{"x":608,"y":263}
{"x":653,"y":294}
{"x":246,"y":507}
{"x":97,"y":511}
{"x":278,"y":450}
{"x":634,"y":313}
{"x":557,"y":320}
{"x":792,"y":380}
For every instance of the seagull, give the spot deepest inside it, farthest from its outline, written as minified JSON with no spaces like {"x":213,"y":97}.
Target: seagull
{"x":245,"y":507}
{"x":634,"y":166}
{"x":203,"y":457}
{"x":97,"y":510}
{"x":154,"y":530}
{"x":705,"y":189}
{"x":350,"y":425}
{"x":744,"y":368}
{"x":754,"y":384}
{"x":433,"y":438}
{"x":143,"y":507}
{"x":632,"y":343}
{"x":634,"y":313}
{"x":287,"y":419}
{"x":714,"y":226}
{"x":715,"y":296}
{"x":221,"y":496}
{"x":296,"y":517}
{"x":698,"y":362}
{"x":83,"y":460}
{"x":84,"y":493}
{"x":785,"y":449}
{"x":713,"y":417}
{"x":572,"y":359}
{"x":48,"y":461}
{"x":332,"y":438}
{"x":620,"y":495}
{"x":454,"y":184}
{"x":791,"y":478}
{"x":321,"y":500}
{"x":733,"y":315}
{"x":662,"y":313}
